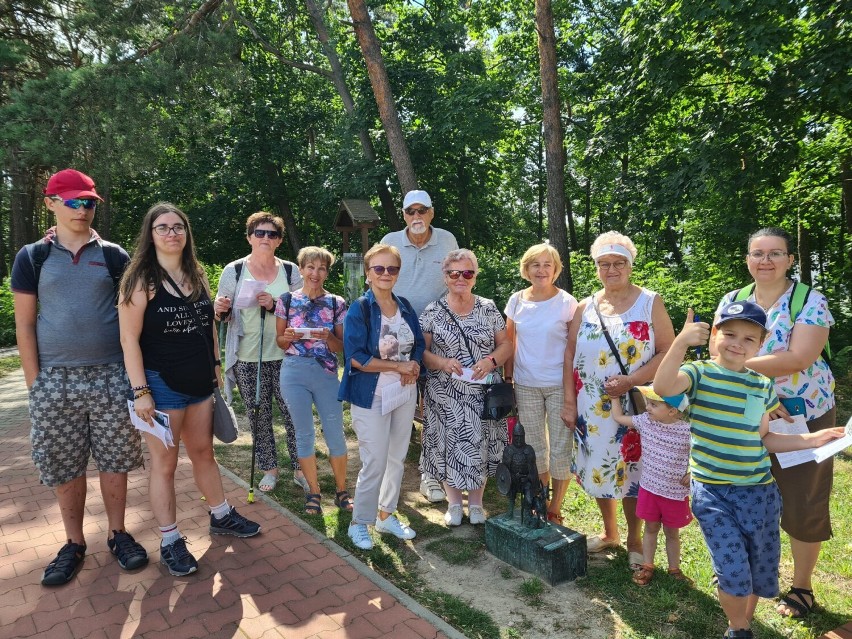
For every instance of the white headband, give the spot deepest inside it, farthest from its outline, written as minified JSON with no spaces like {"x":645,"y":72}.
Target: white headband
{"x":614,"y":249}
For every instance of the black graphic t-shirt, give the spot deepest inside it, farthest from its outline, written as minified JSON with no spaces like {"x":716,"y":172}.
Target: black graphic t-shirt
{"x":177,"y":342}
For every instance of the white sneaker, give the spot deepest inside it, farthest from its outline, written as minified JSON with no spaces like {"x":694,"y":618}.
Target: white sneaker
{"x":431,"y":489}
{"x":476,"y":514}
{"x":360,"y":536}
{"x":453,"y":515}
{"x":395,"y":527}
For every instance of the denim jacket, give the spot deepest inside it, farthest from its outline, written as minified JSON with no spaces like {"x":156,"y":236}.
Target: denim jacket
{"x":357,"y":386}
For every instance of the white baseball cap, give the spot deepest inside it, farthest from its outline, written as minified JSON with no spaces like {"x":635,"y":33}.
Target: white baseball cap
{"x":417,"y":197}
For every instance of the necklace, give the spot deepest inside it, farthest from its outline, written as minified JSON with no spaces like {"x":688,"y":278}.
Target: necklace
{"x":177,"y":281}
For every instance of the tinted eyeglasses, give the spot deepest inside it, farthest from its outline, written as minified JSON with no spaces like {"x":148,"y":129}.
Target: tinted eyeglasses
{"x":76,"y":203}
{"x":380,"y":270}
{"x":165,"y":229}
{"x":272,"y":235}
{"x":412,"y":211}
{"x":454,"y":274}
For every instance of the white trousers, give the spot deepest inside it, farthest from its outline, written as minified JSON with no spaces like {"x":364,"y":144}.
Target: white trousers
{"x":382,"y":444}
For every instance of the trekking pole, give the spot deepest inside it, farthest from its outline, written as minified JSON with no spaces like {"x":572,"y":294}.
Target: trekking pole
{"x":250,"y":498}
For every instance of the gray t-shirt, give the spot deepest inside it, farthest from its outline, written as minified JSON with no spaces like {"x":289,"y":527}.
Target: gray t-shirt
{"x":77,"y":321}
{"x":421,"y":281}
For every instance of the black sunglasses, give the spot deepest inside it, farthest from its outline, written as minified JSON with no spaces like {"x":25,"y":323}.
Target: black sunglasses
{"x":454,"y":274}
{"x":272,"y":235}
{"x":421,"y":212}
{"x":380,"y":270}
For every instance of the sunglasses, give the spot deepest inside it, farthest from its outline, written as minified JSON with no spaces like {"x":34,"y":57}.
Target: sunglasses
{"x":454,"y":274}
{"x":164,"y":229}
{"x":380,"y":270}
{"x":76,"y":203}
{"x":272,"y":235}
{"x":421,"y":212}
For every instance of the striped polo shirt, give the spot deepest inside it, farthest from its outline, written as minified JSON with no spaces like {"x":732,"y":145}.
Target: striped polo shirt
{"x":726,"y":408}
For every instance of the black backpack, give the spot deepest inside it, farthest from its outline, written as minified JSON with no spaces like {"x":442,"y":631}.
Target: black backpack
{"x":288,"y":269}
{"x":115,"y":261}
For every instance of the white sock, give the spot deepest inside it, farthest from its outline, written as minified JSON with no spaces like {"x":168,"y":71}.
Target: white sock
{"x":221,"y":510}
{"x":170,"y":534}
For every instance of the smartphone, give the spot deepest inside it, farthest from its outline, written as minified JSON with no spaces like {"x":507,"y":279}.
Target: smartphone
{"x":794,"y":405}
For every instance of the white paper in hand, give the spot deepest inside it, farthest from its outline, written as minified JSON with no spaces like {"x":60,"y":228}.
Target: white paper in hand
{"x":161,"y":428}
{"x":467,"y":376}
{"x":395,"y":395}
{"x":249,"y":290}
{"x":832,"y":448}
{"x":796,"y":427}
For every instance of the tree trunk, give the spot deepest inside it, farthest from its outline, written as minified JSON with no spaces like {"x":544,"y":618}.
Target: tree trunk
{"x":104,"y":219}
{"x":372,"y":53}
{"x":338,"y":77}
{"x":23,"y":226}
{"x":846,"y":190}
{"x":278,"y":192}
{"x":587,"y":222}
{"x":541,"y":183}
{"x":464,"y":201}
{"x":805,"y":262}
{"x":553,"y":137}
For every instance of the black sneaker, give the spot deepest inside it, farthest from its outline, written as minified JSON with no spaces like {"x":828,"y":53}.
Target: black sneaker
{"x":178,"y":559}
{"x":62,"y":569}
{"x":131,"y":555}
{"x":233,"y":524}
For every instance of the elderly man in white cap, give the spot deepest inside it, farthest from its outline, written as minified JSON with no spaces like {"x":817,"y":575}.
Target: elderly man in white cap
{"x":423,"y":248}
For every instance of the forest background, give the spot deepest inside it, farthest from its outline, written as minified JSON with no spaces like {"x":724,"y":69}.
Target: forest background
{"x":684,"y":124}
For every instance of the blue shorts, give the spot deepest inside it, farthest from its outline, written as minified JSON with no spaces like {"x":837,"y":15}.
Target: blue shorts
{"x":741,"y":526}
{"x":167,"y":399}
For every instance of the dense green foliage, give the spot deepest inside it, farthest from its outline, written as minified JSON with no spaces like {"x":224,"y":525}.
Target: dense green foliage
{"x":688,"y":125}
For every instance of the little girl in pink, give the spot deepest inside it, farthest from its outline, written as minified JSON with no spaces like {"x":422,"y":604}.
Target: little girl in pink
{"x":664,"y":484}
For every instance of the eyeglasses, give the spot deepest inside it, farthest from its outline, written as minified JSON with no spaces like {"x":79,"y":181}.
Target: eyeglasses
{"x":454,"y":274}
{"x":380,"y":270}
{"x":165,"y":229}
{"x":272,"y":235}
{"x":773,"y":256}
{"x":618,"y":266}
{"x":76,"y":203}
{"x":410,"y":211}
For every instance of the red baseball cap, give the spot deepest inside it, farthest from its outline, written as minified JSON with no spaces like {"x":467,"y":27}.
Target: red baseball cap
{"x":70,"y":184}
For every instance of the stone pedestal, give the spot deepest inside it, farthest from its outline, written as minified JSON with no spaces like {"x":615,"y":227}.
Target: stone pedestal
{"x":552,"y":553}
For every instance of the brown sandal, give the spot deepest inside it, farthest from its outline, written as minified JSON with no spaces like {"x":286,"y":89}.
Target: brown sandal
{"x":677,"y":575}
{"x":642,"y":577}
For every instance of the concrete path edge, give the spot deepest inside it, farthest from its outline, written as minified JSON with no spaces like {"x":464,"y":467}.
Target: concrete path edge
{"x":404,"y":598}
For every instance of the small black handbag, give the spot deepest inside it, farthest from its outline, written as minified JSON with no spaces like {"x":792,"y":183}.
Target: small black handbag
{"x":499,"y":400}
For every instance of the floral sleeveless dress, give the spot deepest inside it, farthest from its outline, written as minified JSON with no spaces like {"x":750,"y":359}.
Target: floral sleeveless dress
{"x":598,"y":463}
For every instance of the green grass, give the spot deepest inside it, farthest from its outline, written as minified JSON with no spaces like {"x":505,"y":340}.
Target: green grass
{"x":9,"y":365}
{"x":531,"y":591}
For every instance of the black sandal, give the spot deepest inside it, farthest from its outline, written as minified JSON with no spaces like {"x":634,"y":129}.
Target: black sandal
{"x":343,"y":501}
{"x":738,"y":634}
{"x":795,"y":600}
{"x":312,"y":504}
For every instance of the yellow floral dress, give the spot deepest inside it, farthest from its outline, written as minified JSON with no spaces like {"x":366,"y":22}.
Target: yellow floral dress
{"x":598,"y":464}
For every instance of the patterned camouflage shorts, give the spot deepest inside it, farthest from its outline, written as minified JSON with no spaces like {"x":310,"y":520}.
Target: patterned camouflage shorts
{"x":80,"y":411}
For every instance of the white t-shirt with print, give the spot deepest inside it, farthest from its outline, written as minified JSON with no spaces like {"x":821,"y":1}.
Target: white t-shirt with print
{"x":396,"y":342}
{"x":815,"y":384}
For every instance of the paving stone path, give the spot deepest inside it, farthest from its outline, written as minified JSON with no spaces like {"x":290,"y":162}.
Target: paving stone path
{"x":288,"y":582}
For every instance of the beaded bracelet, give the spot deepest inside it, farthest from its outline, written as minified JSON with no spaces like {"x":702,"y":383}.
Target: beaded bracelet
{"x":139,"y":388}
{"x":142,"y":393}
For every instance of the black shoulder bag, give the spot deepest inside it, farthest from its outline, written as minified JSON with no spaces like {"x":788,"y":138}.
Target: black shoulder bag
{"x":637,"y":401}
{"x":499,"y":401}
